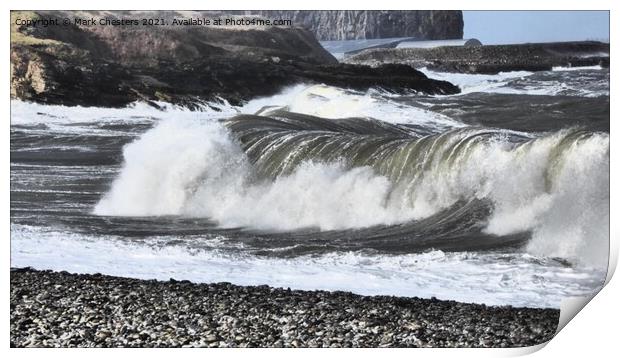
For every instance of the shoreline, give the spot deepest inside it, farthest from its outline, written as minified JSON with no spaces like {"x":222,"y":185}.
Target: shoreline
{"x":61,"y":309}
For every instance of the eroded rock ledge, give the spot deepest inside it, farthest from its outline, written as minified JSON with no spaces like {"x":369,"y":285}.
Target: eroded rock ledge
{"x":491,"y":59}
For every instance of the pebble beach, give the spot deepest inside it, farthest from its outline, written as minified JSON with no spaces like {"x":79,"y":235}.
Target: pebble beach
{"x":61,"y":309}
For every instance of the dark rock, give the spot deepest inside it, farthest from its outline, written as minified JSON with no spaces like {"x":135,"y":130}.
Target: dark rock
{"x":192,"y":67}
{"x":492,"y":59}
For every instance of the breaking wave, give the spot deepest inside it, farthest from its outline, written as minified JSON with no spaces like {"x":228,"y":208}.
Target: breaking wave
{"x":283,"y":171}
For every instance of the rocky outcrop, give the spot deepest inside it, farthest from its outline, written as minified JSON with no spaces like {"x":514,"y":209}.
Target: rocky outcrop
{"x":190,"y":66}
{"x":491,"y":59}
{"x":141,"y":45}
{"x":374,"y":24}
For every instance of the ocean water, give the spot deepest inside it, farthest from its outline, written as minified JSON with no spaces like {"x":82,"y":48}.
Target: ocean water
{"x":497,"y":195}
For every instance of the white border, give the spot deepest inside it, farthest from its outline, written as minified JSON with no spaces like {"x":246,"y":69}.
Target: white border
{"x":593,"y":331}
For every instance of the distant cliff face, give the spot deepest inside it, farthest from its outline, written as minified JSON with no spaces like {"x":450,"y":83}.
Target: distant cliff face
{"x":147,"y":45}
{"x":373,"y":24}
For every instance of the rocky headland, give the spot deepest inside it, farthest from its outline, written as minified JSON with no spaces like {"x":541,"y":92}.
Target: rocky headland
{"x":60,"y":309}
{"x":187,"y":65}
{"x":490,"y":59}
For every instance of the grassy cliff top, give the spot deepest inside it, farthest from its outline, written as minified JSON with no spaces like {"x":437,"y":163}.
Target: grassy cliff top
{"x":19,"y":38}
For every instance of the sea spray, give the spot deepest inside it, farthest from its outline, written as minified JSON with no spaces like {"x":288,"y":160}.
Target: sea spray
{"x":195,"y":169}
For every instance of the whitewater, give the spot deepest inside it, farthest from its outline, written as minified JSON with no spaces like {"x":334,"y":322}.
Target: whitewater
{"x":325,"y":188}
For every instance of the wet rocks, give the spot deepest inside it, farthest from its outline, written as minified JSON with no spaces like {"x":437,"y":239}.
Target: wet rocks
{"x":59,"y":309}
{"x":196,"y":84}
{"x":492,"y":59}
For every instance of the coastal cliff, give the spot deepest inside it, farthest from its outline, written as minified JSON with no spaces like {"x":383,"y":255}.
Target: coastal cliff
{"x":187,"y":65}
{"x":374,"y":24}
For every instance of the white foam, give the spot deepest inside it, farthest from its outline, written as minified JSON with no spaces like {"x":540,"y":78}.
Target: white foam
{"x":332,"y":102}
{"x":470,"y":83}
{"x":318,"y":100}
{"x":77,"y":120}
{"x":577,"y":68}
{"x":33,"y":113}
{"x":501,"y":83}
{"x":494,"y":279}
